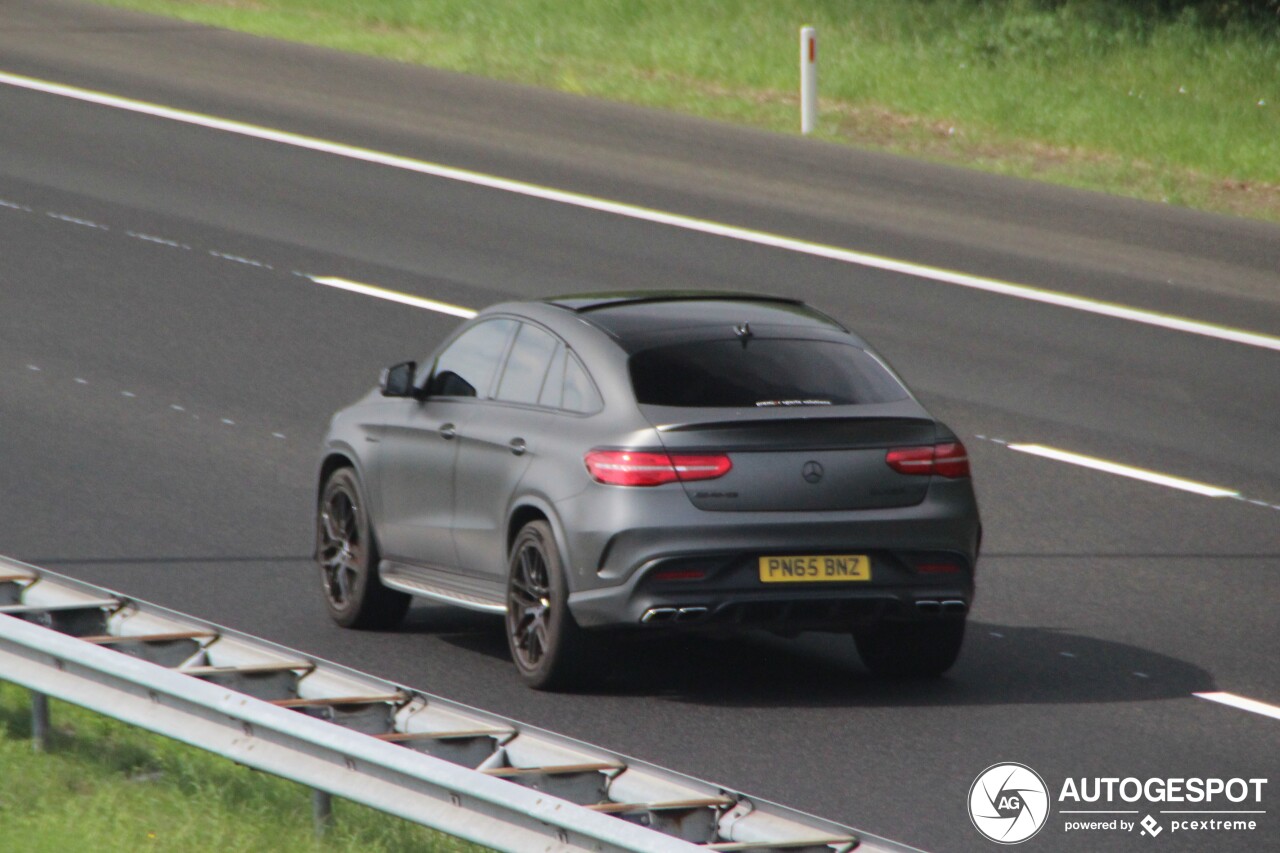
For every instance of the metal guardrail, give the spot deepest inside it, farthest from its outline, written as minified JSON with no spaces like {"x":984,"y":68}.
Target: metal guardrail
{"x":463,"y":771}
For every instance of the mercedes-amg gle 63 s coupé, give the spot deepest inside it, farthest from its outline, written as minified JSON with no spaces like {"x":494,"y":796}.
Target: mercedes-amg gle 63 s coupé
{"x":655,"y":462}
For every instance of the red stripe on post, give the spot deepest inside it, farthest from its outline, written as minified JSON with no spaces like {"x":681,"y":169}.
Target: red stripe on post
{"x":813,"y":49}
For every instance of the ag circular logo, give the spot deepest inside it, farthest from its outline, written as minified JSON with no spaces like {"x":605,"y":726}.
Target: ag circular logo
{"x":1008,"y":803}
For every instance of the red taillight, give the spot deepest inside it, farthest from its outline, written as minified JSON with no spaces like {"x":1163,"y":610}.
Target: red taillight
{"x":632,"y":468}
{"x":679,"y":575}
{"x":945,"y":460}
{"x":911,"y":460}
{"x":952,"y":460}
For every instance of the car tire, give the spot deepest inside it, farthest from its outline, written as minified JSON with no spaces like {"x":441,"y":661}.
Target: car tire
{"x":911,"y":649}
{"x":347,"y":554}
{"x":549,"y":649}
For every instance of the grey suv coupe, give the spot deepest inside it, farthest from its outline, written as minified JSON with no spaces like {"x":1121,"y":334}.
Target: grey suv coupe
{"x":656,"y":462}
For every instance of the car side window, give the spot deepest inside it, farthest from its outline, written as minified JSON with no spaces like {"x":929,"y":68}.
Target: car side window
{"x":467,"y":366}
{"x":553,"y":387}
{"x":531,"y":355}
{"x":580,"y":394}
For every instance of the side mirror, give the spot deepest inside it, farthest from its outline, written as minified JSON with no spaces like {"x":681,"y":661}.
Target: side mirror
{"x":397,"y":380}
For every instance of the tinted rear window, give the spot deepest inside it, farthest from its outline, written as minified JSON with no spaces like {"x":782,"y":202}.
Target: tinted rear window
{"x":761,"y":373}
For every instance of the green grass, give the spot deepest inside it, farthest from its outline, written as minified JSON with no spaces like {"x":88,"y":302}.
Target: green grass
{"x":105,"y":787}
{"x":1096,"y":93}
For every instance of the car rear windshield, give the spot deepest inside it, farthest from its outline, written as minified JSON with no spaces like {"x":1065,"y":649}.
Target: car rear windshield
{"x":761,"y":373}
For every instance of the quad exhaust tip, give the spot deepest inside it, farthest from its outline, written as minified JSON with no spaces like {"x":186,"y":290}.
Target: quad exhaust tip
{"x":949,"y":606}
{"x":672,"y":614}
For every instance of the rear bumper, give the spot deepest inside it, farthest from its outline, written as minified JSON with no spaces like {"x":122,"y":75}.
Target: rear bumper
{"x":616,"y":580}
{"x":728,"y":606}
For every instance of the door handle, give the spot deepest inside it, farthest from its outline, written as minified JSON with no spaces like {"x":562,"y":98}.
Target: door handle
{"x":448,"y":431}
{"x":517,"y":446}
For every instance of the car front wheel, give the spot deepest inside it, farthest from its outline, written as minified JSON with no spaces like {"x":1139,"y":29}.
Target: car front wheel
{"x":911,"y":648}
{"x":348,"y":558}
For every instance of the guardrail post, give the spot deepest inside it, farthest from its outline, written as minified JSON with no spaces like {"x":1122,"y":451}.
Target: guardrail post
{"x":808,"y":80}
{"x":321,"y":811}
{"x":39,"y":722}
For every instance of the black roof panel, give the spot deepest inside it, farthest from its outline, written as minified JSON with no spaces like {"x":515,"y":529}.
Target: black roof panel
{"x":580,"y":302}
{"x":637,"y":318}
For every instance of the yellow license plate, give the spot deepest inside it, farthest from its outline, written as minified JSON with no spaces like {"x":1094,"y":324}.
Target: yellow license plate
{"x":831,"y":567}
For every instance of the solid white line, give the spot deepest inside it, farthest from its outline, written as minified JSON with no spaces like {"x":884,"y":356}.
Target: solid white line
{"x":1125,"y":471}
{"x":761,"y":238}
{"x":393,"y":296}
{"x":1242,"y":703}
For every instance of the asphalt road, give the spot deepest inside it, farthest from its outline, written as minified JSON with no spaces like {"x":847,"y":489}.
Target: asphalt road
{"x":167,"y":370}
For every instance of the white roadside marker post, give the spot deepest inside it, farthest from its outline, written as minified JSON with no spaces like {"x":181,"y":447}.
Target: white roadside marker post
{"x":808,"y":80}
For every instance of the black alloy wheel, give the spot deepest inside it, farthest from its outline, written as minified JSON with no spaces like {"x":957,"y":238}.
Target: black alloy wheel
{"x":546,"y":643}
{"x":348,"y":557}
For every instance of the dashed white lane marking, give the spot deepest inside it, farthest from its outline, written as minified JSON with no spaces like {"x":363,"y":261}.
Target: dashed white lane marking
{"x":138,"y":235}
{"x":393,"y":296}
{"x":151,"y":238}
{"x":688,"y":223}
{"x":80,"y":380}
{"x":328,"y":281}
{"x":75,"y":220}
{"x":1242,"y":703}
{"x":459,"y":311}
{"x":239,"y":260}
{"x":1125,"y":471}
